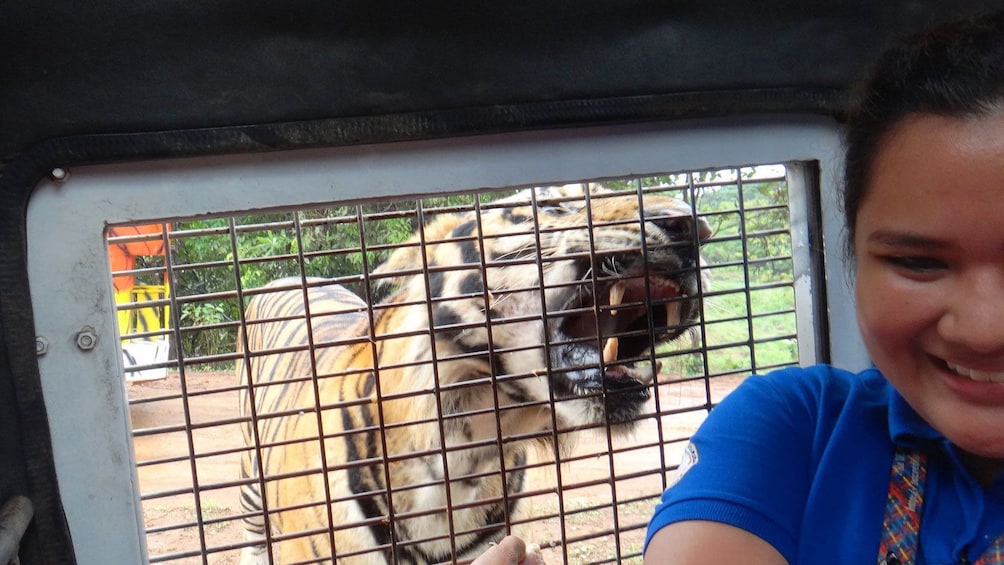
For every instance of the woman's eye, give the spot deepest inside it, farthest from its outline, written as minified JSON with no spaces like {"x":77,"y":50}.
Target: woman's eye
{"x":918,"y":264}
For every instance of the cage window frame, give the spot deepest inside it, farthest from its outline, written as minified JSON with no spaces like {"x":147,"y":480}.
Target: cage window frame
{"x":70,"y":276}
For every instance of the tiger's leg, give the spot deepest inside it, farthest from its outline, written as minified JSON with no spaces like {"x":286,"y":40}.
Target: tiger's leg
{"x":256,"y":554}
{"x":254,"y":528}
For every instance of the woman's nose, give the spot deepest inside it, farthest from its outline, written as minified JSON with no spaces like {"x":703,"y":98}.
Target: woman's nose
{"x":975,"y":316}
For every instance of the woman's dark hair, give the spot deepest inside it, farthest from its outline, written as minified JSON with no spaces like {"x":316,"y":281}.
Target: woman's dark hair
{"x":955,"y":70}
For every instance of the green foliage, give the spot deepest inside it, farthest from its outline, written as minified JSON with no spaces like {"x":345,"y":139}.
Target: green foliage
{"x":204,"y":315}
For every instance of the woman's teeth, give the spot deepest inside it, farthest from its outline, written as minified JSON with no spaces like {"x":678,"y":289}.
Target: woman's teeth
{"x":981,"y":376}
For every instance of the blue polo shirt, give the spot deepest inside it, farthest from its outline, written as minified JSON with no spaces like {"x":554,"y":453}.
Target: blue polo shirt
{"x":802,"y":458}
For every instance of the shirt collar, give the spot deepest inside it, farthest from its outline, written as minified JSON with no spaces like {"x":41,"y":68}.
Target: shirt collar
{"x":906,"y":427}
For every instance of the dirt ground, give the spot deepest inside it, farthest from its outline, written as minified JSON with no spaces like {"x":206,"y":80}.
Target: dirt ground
{"x":600,"y":494}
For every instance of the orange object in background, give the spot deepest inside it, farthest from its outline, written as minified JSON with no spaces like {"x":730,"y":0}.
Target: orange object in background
{"x":123,"y":255}
{"x":141,"y":311}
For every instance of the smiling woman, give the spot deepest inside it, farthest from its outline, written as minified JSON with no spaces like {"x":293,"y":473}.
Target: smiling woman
{"x":930,"y":256}
{"x":903,"y":463}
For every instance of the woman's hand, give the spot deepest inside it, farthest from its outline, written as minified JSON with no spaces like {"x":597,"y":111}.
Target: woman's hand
{"x":509,"y":551}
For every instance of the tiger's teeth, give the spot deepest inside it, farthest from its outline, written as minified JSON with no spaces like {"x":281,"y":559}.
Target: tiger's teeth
{"x":610,"y":350}
{"x":673,"y":313}
{"x":617,"y":295}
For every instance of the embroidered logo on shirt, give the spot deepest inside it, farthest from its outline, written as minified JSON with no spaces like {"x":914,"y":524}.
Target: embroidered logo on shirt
{"x":687,"y":462}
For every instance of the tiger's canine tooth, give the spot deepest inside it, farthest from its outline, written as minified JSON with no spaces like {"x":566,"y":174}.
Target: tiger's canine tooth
{"x":673,"y":313}
{"x":610,"y":350}
{"x":617,"y":295}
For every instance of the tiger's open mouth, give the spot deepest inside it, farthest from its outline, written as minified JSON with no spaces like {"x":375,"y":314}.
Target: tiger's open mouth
{"x":603,"y":342}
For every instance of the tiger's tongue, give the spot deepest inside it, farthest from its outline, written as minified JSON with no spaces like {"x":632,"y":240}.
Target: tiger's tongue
{"x":636,"y":287}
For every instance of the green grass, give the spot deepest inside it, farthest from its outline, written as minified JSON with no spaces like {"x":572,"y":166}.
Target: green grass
{"x":743,"y":332}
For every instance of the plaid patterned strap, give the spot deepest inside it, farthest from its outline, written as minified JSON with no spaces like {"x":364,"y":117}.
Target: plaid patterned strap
{"x":994,"y":555}
{"x":903,"y":510}
{"x":901,"y":524}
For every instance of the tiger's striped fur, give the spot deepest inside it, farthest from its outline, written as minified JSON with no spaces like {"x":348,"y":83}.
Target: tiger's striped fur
{"x":450,"y":379}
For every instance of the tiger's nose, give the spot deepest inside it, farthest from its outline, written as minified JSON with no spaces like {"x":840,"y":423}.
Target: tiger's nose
{"x":679,"y":219}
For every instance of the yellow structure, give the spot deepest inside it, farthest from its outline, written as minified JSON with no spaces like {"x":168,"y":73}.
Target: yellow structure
{"x":146,"y":310}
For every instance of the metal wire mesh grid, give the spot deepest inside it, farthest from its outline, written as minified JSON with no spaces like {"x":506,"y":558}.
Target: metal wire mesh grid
{"x":585,"y":503}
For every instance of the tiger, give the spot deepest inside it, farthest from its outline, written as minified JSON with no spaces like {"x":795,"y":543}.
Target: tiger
{"x":399,"y":432}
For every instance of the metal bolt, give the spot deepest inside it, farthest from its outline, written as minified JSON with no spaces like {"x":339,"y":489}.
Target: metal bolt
{"x":41,"y":346}
{"x":87,"y":338}
{"x":59,"y":174}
